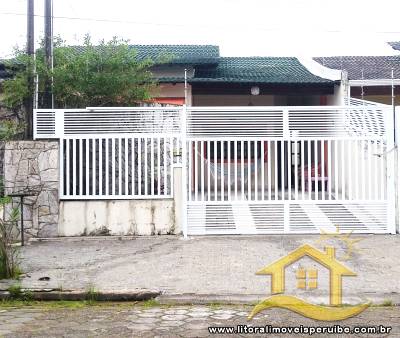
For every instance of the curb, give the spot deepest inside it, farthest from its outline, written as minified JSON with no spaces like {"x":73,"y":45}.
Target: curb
{"x":140,"y":295}
{"x":252,"y":299}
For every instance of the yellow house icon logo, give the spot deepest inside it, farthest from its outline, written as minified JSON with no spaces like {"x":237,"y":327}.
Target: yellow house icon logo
{"x":308,"y":279}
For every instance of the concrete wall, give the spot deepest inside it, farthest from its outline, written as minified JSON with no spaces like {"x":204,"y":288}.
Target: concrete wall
{"x":133,"y":217}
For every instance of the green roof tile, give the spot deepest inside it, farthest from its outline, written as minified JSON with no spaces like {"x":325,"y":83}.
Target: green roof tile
{"x":283,"y":70}
{"x":180,"y":54}
{"x":176,"y":54}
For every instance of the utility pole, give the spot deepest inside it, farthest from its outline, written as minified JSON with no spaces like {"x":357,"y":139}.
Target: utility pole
{"x":30,"y":50}
{"x":48,"y":46}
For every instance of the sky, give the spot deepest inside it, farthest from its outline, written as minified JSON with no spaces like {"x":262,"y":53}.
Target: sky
{"x":240,"y":27}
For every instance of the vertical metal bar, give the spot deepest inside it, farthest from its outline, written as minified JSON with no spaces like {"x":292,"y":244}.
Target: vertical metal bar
{"x":309,"y":160}
{"x":87,"y":180}
{"x":262,"y":162}
{"x":215,"y":171}
{"x":67,"y":167}
{"x":94,"y":167}
{"x":190,"y":170}
{"x":322,"y":143}
{"x":276,"y":169}
{"x":171,"y":170}
{"x":376,"y":171}
{"x":113,"y":165}
{"x":296,"y":171}
{"x":316,"y":173}
{"x":255,"y":171}
{"x":229,"y":143}
{"x":302,"y":173}
{"x":249,"y":170}
{"x":236,"y":179}
{"x":100,"y":182}
{"x":383,"y":173}
{"x":152,"y":166}
{"x":369,"y":165}
{"x":363,"y":169}
{"x":74,"y":191}
{"x":145,"y":168}
{"x":196,"y":171}
{"x":343,"y":170}
{"x":61,"y":162}
{"x":269,"y":165}
{"x":202,"y":169}
{"x":126,"y":157}
{"x":208,"y":171}
{"x":356,"y":184}
{"x":139,"y":167}
{"x":107,"y":166}
{"x":119,"y":166}
{"x":133,"y":167}
{"x":158,"y":167}
{"x":329,"y":169}
{"x":242,"y":168}
{"x":350,"y":167}
{"x":283,"y":169}
{"x":289,"y":168}
{"x":165,"y":184}
{"x":222,"y":157}
{"x":336,"y":163}
{"x":80,"y":164}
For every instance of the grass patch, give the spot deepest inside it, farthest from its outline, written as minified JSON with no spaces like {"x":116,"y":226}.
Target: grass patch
{"x":215,"y":306}
{"x":387,"y":302}
{"x":150,"y":303}
{"x":91,"y":294}
{"x":62,"y":304}
{"x":16,"y":293}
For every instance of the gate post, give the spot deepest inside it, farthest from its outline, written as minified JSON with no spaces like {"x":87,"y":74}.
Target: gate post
{"x":391,"y":174}
{"x":184,"y":171}
{"x":397,"y":166}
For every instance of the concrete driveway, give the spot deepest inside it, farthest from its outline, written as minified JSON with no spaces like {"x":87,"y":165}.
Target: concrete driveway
{"x":204,"y":269}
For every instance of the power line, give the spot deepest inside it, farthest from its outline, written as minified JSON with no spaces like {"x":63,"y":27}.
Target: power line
{"x":181,"y":25}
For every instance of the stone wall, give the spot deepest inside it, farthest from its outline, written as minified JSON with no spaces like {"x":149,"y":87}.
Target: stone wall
{"x":32,"y":167}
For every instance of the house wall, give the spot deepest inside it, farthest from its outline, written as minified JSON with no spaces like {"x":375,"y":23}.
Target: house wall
{"x":337,"y":99}
{"x":174,"y":91}
{"x":233,"y":100}
{"x":259,"y":100}
{"x":385,"y":99}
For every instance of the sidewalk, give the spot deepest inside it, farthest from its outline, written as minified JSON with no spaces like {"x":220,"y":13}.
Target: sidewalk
{"x":202,"y":269}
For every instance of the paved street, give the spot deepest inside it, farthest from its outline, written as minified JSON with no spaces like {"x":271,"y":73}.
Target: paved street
{"x":130,"y":320}
{"x":212,"y":269}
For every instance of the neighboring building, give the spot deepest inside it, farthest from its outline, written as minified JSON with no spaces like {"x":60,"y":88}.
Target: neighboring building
{"x":395,"y":45}
{"x":370,"y":77}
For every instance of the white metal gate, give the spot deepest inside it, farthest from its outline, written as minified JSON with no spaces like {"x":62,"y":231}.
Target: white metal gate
{"x":114,"y":153}
{"x":254,"y":170}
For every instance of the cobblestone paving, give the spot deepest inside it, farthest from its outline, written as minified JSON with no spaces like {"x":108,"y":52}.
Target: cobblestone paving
{"x":126,"y":320}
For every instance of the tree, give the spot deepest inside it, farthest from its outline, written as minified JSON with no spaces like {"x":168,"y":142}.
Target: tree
{"x":108,"y":74}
